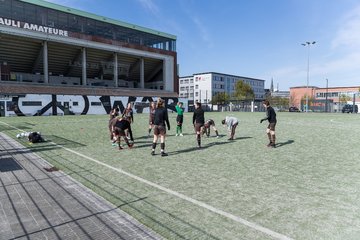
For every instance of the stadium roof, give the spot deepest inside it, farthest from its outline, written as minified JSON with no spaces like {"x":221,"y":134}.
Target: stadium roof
{"x":97,"y":17}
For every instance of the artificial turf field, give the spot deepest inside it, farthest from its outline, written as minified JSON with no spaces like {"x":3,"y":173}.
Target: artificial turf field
{"x":306,"y":188}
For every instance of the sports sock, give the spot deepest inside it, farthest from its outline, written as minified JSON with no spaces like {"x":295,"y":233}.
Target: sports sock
{"x":153,"y":146}
{"x":273,"y":139}
{"x":149,"y":130}
{"x":217,"y":133}
{"x":162,"y":146}
{"x":198,"y":137}
{"x":269,"y":136}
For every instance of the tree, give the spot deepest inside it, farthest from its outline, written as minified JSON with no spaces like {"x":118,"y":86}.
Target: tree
{"x":344,"y":98}
{"x":243,"y":91}
{"x":292,"y":101}
{"x":220,"y":98}
{"x":279,"y":102}
{"x":311,"y":99}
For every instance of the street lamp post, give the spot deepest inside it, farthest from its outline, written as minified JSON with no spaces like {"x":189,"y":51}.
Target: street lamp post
{"x":308,"y":44}
{"x":326,"y":96}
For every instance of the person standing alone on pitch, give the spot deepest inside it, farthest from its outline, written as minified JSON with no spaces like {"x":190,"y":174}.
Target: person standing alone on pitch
{"x":198,"y":121}
{"x":161,"y":117}
{"x":179,"y":118}
{"x":231,"y":123}
{"x":271,"y":117}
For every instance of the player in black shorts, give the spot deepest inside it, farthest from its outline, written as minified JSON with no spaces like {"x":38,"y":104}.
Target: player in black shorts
{"x":151,"y":116}
{"x":128,"y":113}
{"x":206,"y":129}
{"x":161,"y":120}
{"x":198,"y":121}
{"x":271,"y":117}
{"x":114,"y":113}
{"x":119,"y":127}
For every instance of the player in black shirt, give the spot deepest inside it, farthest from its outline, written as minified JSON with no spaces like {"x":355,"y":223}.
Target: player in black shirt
{"x":35,"y":137}
{"x":161,"y":120}
{"x":119,"y":128}
{"x":271,"y":117}
{"x":198,"y":121}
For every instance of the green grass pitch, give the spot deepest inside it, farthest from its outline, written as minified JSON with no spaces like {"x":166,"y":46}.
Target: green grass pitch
{"x":306,"y":188}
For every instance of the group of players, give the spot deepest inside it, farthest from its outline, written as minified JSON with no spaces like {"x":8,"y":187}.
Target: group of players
{"x":120,"y":127}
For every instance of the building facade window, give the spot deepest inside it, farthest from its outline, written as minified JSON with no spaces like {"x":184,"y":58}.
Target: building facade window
{"x":32,"y":103}
{"x":31,"y":13}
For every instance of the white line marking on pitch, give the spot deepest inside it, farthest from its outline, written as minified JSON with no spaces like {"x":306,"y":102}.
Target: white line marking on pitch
{"x":332,"y":120}
{"x":179,"y":195}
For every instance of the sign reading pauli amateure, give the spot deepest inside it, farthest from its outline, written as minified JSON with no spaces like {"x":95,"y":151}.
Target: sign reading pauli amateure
{"x":33,"y":27}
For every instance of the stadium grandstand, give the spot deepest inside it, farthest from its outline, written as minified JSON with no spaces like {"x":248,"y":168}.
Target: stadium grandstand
{"x":59,"y":60}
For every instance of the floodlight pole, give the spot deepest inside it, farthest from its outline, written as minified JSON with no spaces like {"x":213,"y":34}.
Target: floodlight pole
{"x":308,"y":70}
{"x":326,"y":96}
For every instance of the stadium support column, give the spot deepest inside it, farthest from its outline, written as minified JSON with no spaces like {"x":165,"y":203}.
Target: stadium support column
{"x":46,"y":64}
{"x":142,"y":80}
{"x":168,"y":73}
{"x":84,"y":77}
{"x":116,"y":74}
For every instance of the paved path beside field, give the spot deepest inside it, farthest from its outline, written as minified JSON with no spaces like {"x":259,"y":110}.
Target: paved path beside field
{"x":36,"y":204}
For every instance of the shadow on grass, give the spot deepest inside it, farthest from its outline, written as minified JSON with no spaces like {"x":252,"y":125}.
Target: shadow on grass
{"x":284,"y":143}
{"x":151,"y":136}
{"x":145,"y":137}
{"x":52,"y":142}
{"x":13,"y":127}
{"x":29,"y":124}
{"x":147,"y":145}
{"x":220,"y":136}
{"x":241,"y":138}
{"x":63,"y":141}
{"x":199,"y":149}
{"x":32,"y":147}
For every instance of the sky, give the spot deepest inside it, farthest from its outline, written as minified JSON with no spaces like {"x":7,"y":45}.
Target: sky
{"x":252,"y":38}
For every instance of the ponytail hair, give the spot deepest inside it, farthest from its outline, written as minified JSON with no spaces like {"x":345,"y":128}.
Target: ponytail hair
{"x":160,"y":103}
{"x":266,"y":102}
